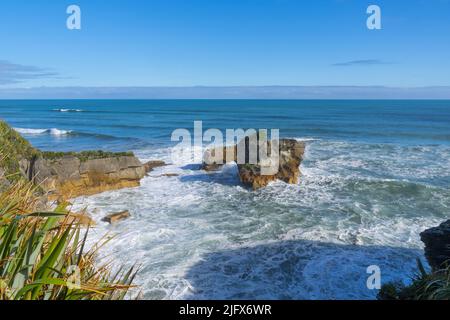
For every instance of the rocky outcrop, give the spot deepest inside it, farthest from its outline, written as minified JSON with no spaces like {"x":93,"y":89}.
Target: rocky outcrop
{"x":151,"y":165}
{"x":65,"y":175}
{"x":116,"y":217}
{"x":437,"y":245}
{"x":70,"y":176}
{"x":290,"y":157}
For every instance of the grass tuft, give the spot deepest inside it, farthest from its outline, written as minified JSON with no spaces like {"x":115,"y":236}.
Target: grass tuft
{"x":425,"y":286}
{"x":44,"y":257}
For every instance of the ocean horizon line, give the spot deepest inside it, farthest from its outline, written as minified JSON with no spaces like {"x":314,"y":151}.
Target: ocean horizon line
{"x":272,"y":92}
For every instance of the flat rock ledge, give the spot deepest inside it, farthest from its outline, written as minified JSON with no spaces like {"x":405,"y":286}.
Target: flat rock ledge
{"x":70,"y":177}
{"x":291,"y":156}
{"x":437,"y":245}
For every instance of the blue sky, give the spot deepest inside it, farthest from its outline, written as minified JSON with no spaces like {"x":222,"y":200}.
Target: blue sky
{"x":224,"y":43}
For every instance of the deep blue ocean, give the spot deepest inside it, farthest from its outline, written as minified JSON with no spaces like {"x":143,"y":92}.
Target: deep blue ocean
{"x":375,"y":174}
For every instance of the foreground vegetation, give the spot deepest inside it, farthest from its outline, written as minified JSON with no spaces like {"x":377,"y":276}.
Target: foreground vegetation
{"x":425,"y":286}
{"x":43,"y":255}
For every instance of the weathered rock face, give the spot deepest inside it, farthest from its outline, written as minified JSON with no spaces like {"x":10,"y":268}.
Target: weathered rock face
{"x":437,"y":245}
{"x":116,"y":217}
{"x":69,"y":177}
{"x":290,"y":157}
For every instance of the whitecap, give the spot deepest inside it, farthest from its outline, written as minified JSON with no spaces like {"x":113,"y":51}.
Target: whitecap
{"x":68,"y":110}
{"x":52,"y":131}
{"x":30,"y":131}
{"x":59,"y":132}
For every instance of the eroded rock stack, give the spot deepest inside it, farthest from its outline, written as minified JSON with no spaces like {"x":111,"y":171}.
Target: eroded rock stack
{"x":437,"y":245}
{"x":290,"y":157}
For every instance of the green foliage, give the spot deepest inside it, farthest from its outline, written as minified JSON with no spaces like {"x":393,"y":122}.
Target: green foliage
{"x":425,"y":286}
{"x":13,"y":148}
{"x":85,"y":155}
{"x":43,"y":256}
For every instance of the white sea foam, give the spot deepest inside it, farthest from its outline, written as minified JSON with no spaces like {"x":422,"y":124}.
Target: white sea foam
{"x":68,"y":110}
{"x":306,"y":139}
{"x":30,"y":131}
{"x":202,"y":236}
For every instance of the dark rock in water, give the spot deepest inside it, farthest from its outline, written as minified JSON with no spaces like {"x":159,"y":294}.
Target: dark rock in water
{"x":170,"y":175}
{"x":437,"y":245}
{"x":290,"y":157}
{"x":151,"y":165}
{"x":116,"y":217}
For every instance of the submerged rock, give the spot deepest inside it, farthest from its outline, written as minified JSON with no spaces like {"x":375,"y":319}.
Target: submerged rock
{"x":170,"y":175}
{"x":151,"y":165}
{"x":167,"y":175}
{"x":290,"y":157}
{"x":437,"y":245}
{"x":116,"y":217}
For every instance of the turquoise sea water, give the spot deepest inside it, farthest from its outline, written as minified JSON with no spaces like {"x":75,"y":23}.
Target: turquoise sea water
{"x":376,"y":174}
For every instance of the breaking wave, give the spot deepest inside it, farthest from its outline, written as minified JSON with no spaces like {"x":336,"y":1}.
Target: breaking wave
{"x":52,"y":131}
{"x":68,"y":110}
{"x":59,"y":132}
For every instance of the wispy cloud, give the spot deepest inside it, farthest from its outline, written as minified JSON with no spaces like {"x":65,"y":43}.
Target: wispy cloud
{"x":14,"y":73}
{"x":367,"y":62}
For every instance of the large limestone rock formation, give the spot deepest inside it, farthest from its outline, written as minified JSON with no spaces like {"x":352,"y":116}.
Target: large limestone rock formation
{"x":437,"y":245}
{"x":70,"y":176}
{"x":290,"y":157}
